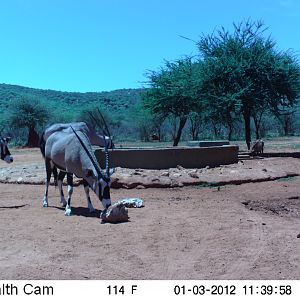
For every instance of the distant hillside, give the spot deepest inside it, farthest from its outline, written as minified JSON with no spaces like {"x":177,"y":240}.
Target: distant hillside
{"x":115,"y":101}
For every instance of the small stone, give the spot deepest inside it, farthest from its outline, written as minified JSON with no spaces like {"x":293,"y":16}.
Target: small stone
{"x":176,"y":175}
{"x":263,"y":224}
{"x":140,"y":187}
{"x":137,"y":173}
{"x":298,"y":236}
{"x":155,"y":179}
{"x":193,"y":174}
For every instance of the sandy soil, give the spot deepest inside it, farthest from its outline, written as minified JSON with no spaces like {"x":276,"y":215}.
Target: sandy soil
{"x":246,"y":231}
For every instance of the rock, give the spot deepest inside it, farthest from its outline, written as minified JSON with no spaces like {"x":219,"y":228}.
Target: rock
{"x":155,"y":179}
{"x":137,"y":173}
{"x":115,"y":213}
{"x":176,"y":175}
{"x":140,"y":187}
{"x":245,"y":202}
{"x":193,"y":174}
{"x":298,"y":236}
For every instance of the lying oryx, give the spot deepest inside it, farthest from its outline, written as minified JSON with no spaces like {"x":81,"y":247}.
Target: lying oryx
{"x":71,"y":151}
{"x":5,"y":154}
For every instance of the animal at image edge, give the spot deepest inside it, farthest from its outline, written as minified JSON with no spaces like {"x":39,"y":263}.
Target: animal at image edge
{"x":68,"y":147}
{"x":5,"y":153}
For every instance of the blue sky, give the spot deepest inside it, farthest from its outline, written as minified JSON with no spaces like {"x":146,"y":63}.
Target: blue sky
{"x":102,"y":45}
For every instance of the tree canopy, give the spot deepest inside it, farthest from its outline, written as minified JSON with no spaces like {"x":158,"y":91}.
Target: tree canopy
{"x":172,"y":91}
{"x":29,"y":113}
{"x":245,"y":74}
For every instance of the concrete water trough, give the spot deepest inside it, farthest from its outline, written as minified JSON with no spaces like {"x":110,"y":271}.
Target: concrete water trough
{"x":165,"y":158}
{"x":207,"y":143}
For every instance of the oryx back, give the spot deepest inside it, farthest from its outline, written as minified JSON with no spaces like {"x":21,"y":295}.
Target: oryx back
{"x":66,"y":152}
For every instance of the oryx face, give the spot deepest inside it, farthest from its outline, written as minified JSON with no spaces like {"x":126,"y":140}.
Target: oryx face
{"x":103,"y":191}
{"x":5,"y":154}
{"x":101,"y":187}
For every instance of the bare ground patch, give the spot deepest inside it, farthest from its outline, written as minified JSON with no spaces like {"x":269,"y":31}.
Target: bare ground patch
{"x":183,"y":232}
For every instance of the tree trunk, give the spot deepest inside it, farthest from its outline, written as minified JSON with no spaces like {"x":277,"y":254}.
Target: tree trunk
{"x":230,"y":129}
{"x":182,"y":122}
{"x":247,"y":120}
{"x":216,"y":131}
{"x":257,"y":125}
{"x":33,"y":138}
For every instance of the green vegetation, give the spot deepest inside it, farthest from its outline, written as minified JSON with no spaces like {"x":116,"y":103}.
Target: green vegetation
{"x":238,"y":84}
{"x":67,"y":107}
{"x":28,"y":112}
{"x":239,"y":76}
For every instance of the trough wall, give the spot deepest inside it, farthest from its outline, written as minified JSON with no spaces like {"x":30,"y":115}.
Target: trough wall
{"x":165,"y":158}
{"x":207,"y":143}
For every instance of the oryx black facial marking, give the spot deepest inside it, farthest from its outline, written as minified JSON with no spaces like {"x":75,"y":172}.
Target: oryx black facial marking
{"x":5,"y":153}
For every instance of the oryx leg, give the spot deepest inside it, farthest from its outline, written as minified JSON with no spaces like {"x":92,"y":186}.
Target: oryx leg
{"x":60,"y":180}
{"x":48,"y":177}
{"x":68,"y":210}
{"x":87,"y":193}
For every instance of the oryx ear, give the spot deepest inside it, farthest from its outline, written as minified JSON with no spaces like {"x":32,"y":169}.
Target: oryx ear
{"x":89,"y":173}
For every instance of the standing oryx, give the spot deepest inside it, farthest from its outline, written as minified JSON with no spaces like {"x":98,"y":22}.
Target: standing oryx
{"x":5,"y":154}
{"x":95,"y":138}
{"x":70,"y":150}
{"x":258,"y":147}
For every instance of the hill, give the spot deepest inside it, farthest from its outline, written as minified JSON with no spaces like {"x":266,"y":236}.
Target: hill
{"x":117,"y":101}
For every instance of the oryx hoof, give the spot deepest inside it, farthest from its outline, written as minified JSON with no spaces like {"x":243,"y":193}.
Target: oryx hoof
{"x":45,"y":204}
{"x":68,"y":212}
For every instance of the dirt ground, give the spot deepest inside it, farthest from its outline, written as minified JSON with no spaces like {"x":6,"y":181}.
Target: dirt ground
{"x":246,"y":231}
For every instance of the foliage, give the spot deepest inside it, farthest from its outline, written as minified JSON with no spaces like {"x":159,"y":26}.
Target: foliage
{"x":240,"y":81}
{"x":28,"y":112}
{"x":243,"y":73}
{"x":68,"y":107}
{"x":172,"y":92}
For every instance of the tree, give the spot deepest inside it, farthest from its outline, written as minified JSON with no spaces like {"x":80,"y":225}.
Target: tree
{"x":28,"y":112}
{"x":172,"y":92}
{"x":244,"y":74}
{"x":195,"y":124}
